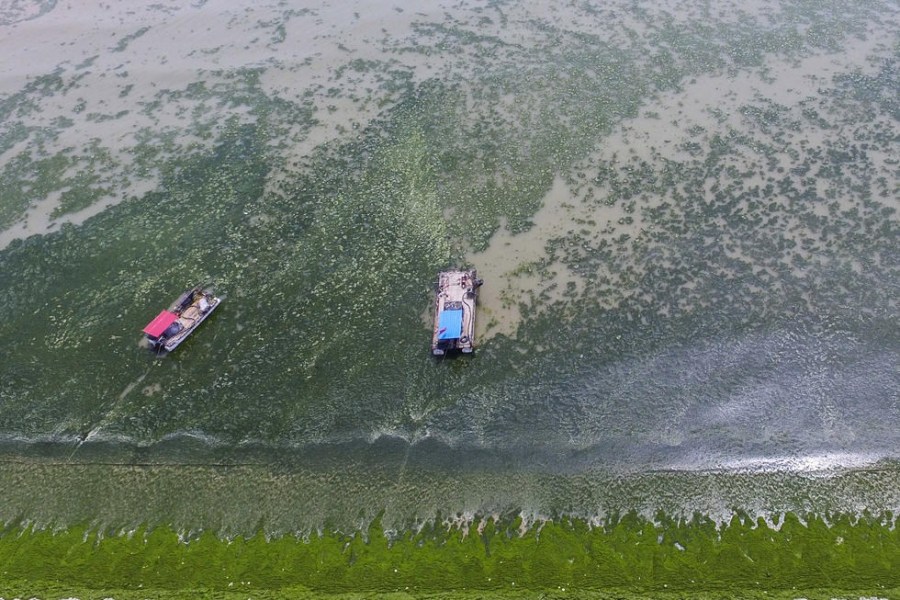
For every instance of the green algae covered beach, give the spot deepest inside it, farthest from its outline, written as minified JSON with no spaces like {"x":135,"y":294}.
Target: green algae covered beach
{"x":623,"y":558}
{"x":685,"y":214}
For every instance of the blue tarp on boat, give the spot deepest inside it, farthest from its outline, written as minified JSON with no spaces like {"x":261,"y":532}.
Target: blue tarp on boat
{"x":450,"y":324}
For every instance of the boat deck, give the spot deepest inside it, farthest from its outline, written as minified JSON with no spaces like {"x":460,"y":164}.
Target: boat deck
{"x":189,"y":318}
{"x":454,"y":321}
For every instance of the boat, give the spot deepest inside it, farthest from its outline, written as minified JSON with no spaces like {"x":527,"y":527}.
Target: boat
{"x":454,"y":312}
{"x":173,"y":326}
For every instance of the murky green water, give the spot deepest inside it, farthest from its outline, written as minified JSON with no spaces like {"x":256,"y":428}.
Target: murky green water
{"x":706,"y":320}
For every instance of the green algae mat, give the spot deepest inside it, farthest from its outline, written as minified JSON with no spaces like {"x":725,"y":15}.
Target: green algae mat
{"x":564,"y":558}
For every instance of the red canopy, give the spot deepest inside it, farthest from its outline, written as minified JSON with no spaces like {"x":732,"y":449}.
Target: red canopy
{"x":157,"y":326}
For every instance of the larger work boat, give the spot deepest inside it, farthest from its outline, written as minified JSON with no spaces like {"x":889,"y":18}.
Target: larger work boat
{"x":454,"y":312}
{"x":173,"y":326}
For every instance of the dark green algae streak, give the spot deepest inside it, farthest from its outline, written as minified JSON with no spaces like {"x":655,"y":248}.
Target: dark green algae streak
{"x":307,"y":262}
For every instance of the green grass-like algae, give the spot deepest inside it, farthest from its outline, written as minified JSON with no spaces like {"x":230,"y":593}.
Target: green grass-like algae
{"x":625,"y":556}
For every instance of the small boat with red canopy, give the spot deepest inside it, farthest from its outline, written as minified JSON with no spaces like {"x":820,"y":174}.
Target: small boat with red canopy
{"x":173,"y":326}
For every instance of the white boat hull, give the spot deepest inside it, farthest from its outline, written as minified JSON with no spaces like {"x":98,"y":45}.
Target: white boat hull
{"x":454,"y":312}
{"x":172,"y":326}
{"x":176,"y":340}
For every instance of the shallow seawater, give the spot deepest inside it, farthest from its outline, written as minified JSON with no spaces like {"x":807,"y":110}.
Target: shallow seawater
{"x":686,"y":217}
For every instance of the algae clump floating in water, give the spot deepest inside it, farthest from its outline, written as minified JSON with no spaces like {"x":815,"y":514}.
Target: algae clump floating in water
{"x":686,"y":221}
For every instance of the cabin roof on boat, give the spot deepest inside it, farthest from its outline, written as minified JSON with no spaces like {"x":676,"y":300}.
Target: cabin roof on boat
{"x":450,"y":324}
{"x":157,"y":326}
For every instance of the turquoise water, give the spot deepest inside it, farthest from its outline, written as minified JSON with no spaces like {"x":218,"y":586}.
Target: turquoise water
{"x":710,"y":323}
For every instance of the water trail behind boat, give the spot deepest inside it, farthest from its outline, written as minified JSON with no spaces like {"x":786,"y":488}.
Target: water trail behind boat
{"x":106,"y":418}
